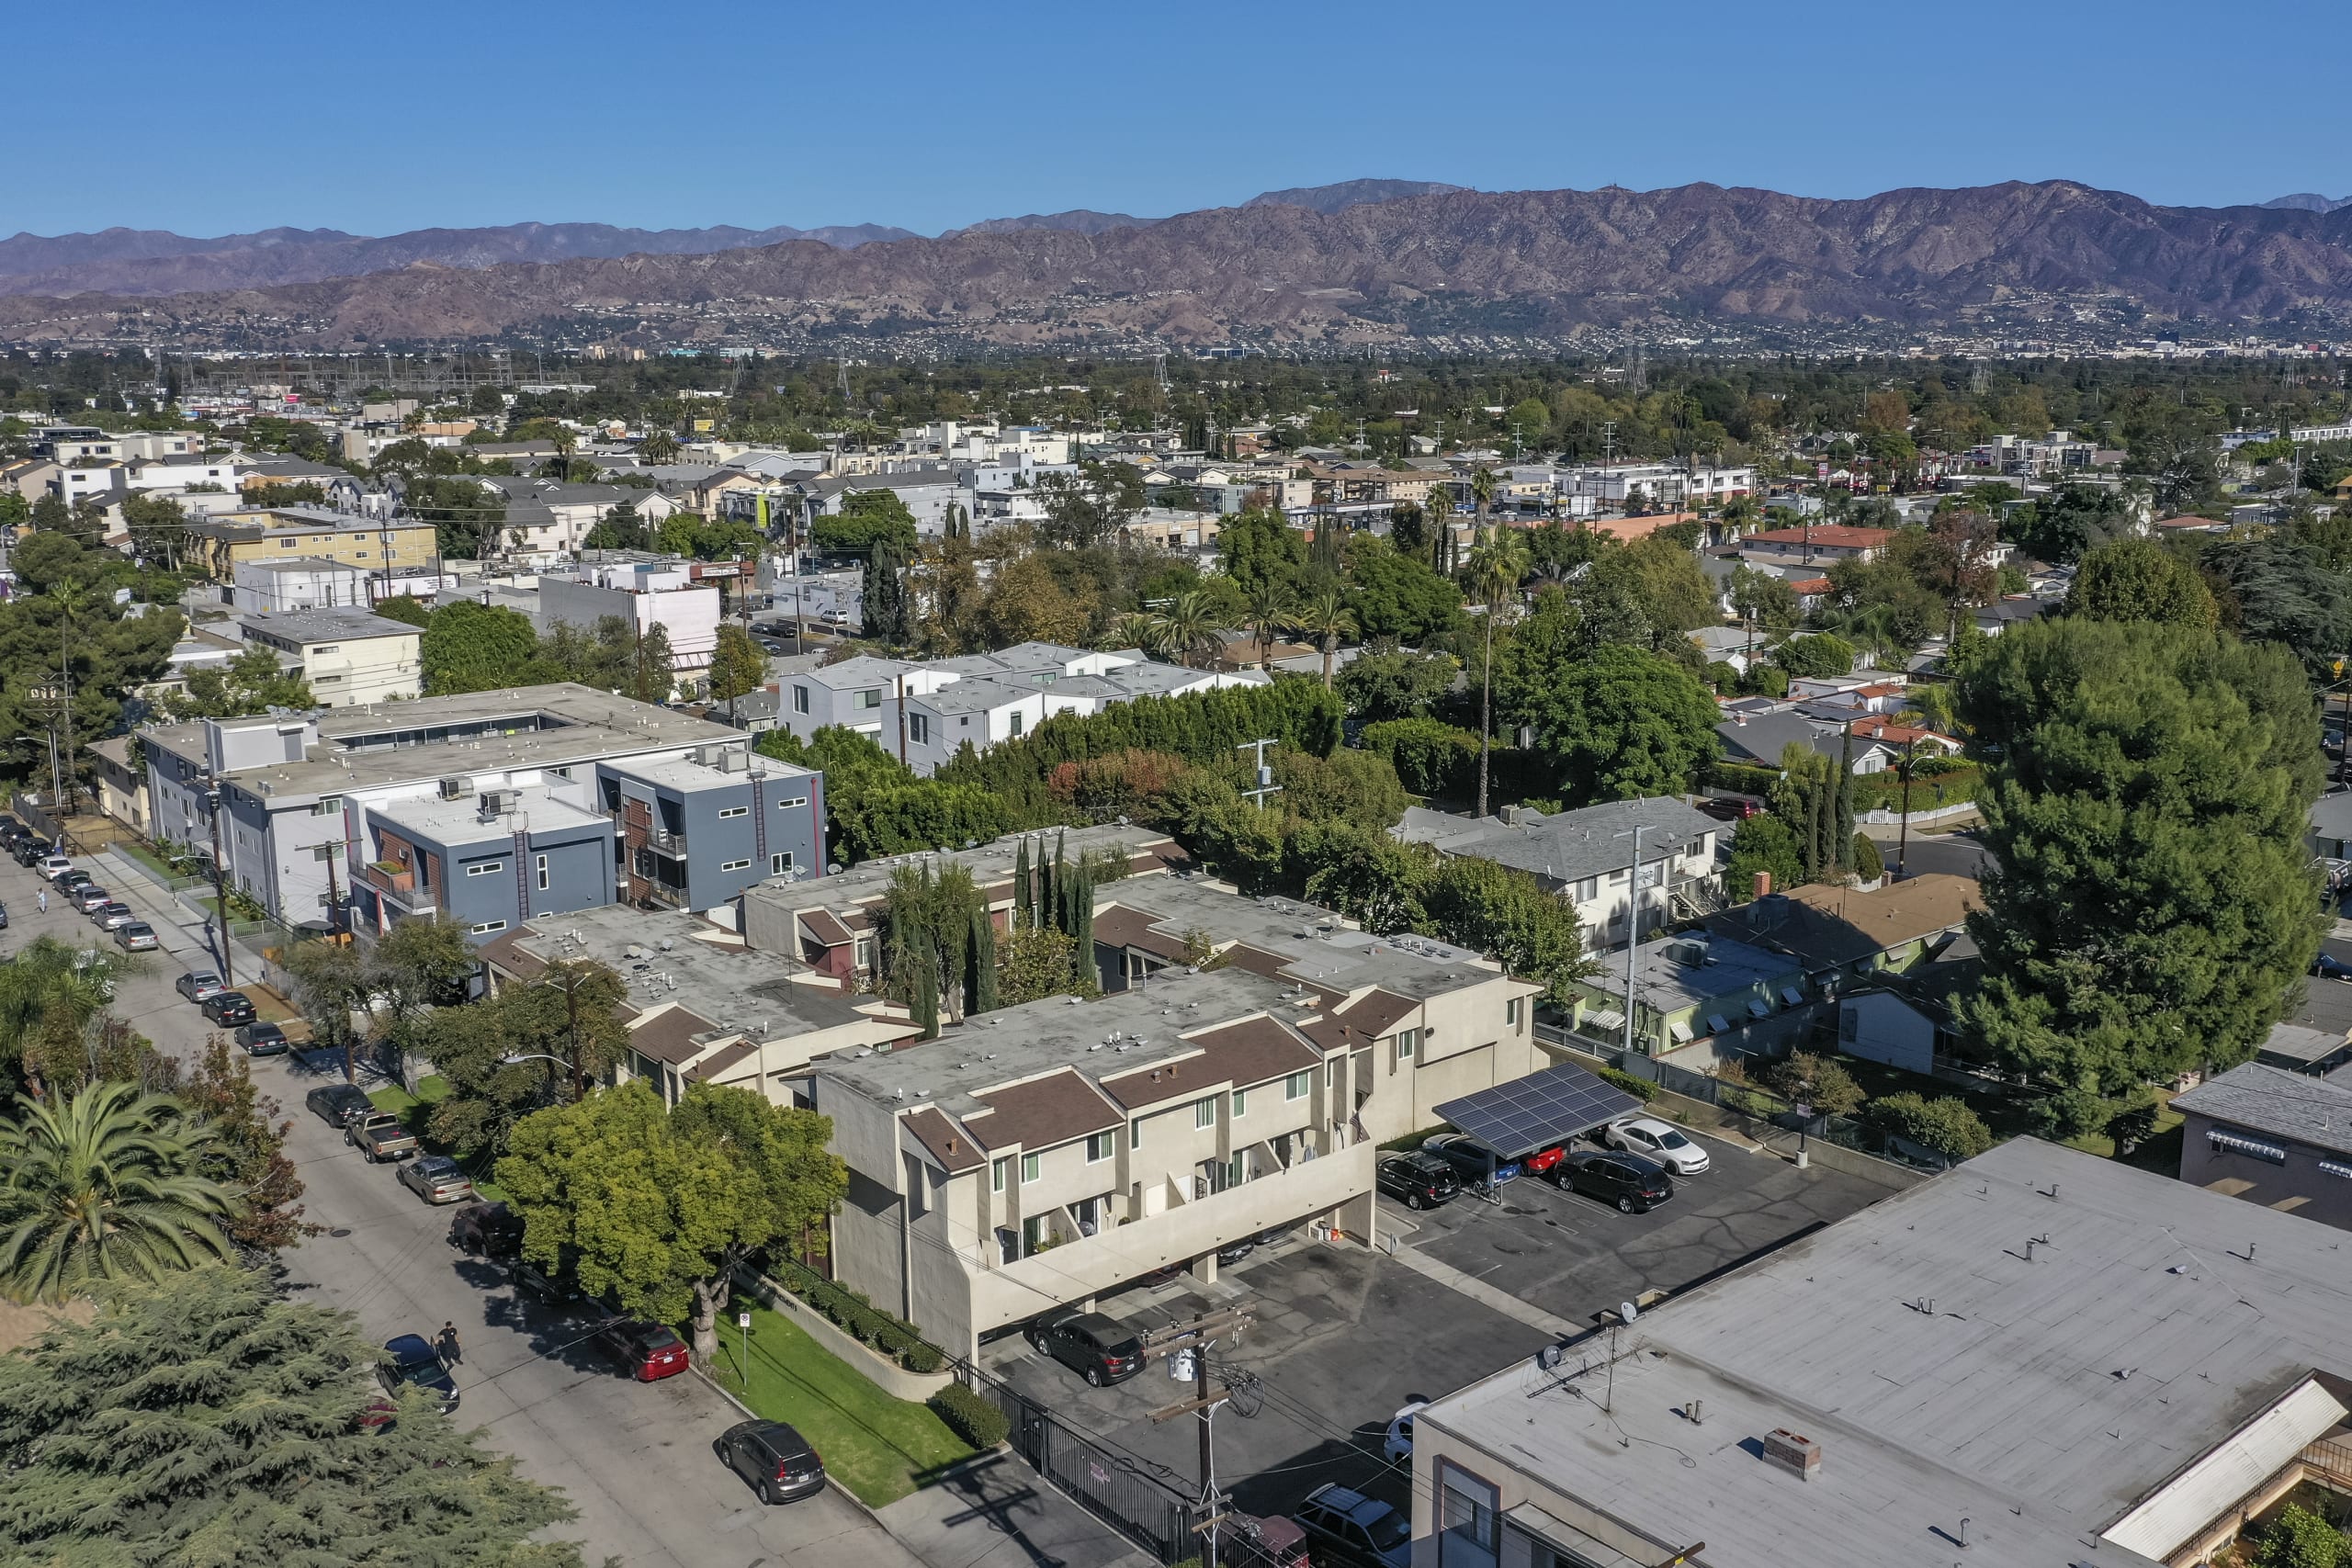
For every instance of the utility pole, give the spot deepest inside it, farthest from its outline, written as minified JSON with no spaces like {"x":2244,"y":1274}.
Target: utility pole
{"x":1633,"y":928}
{"x":1195,"y":1339}
{"x":1902,"y":834}
{"x":1266,"y":785}
{"x":903,"y":718}
{"x":219,"y":890}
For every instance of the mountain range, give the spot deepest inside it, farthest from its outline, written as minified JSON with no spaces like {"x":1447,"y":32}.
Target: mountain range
{"x":1527,"y":264}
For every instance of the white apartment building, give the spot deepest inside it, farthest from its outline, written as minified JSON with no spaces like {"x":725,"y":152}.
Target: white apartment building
{"x":351,"y":657}
{"x":1585,"y":857}
{"x":644,"y":594}
{"x":314,"y":582}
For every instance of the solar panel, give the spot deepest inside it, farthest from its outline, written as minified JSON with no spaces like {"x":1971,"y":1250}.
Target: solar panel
{"x":1539,"y":1111}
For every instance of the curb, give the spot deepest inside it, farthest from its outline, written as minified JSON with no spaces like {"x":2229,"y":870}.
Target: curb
{"x":832,"y":1486}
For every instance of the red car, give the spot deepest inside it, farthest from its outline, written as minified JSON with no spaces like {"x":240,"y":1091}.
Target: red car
{"x":1542,"y":1160}
{"x":646,"y":1351}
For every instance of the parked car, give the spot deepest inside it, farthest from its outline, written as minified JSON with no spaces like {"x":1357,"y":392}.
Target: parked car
{"x":380,"y":1135}
{"x":53,"y":865}
{"x":88,"y":897}
{"x":228,"y":1008}
{"x":774,"y":644}
{"x":1234,"y":1251}
{"x":3,"y":917}
{"x":263,"y":1039}
{"x":136,"y":937}
{"x":415,"y":1360}
{"x":1472,"y":1161}
{"x":113,"y":915}
{"x":1657,"y":1141}
{"x":437,"y":1179}
{"x":487,"y":1230}
{"x":1250,"y":1541}
{"x":2330,"y":967}
{"x":554,"y":1288}
{"x":28,"y":851}
{"x":1634,"y":1184}
{"x":1542,"y":1160}
{"x":1347,"y":1527}
{"x":1730,"y":810}
{"x":777,"y":1460}
{"x":647,"y":1351}
{"x":1417,"y":1180}
{"x":11,"y":830}
{"x":1101,"y":1349}
{"x":1399,"y":1443}
{"x":336,"y":1103}
{"x":199,"y":984}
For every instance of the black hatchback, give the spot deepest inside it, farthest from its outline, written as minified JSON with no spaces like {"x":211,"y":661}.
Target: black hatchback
{"x":1101,"y":1349}
{"x":1634,"y":1184}
{"x":1417,"y":1180}
{"x":338,"y":1104}
{"x":777,"y":1460}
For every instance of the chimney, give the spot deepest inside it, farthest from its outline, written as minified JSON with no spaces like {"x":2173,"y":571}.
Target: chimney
{"x":1763,"y":884}
{"x":1800,"y":1456}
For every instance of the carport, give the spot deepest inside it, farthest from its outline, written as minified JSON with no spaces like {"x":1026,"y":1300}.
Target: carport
{"x":1540,"y":1111}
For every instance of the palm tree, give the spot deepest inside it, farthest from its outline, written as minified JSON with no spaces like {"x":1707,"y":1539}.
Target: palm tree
{"x":106,"y":1185}
{"x":1327,"y":619}
{"x":1269,"y":611}
{"x":1498,"y":566}
{"x":48,"y":994}
{"x":1133,"y":629}
{"x":658,"y":447}
{"x":1188,"y":626}
{"x":1439,"y":508}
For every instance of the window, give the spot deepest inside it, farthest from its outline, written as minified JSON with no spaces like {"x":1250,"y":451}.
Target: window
{"x":1585,"y":891}
{"x":735,"y":864}
{"x":328,"y":805}
{"x":486,"y":868}
{"x":487,"y":927}
{"x":1241,"y":1103}
{"x":789,"y":805}
{"x":1510,"y":1012}
{"x":287,"y":543}
{"x":1015,"y":723}
{"x":724,"y":812}
{"x":919,"y":729}
{"x":1204,"y":1113}
{"x":1465,"y":1519}
{"x":329,"y":647}
{"x":1617,"y":876}
{"x":1099,"y":1146}
{"x":1409,"y":1044}
{"x":542,"y":867}
{"x":869,"y":698}
{"x":1295,"y":1086}
{"x":800,"y":699}
{"x":779,"y":862}
{"x":1028,"y":1168}
{"x":1134,"y":1134}
{"x":1850,"y":1023}
{"x":999,"y":1172}
{"x":862,"y":952}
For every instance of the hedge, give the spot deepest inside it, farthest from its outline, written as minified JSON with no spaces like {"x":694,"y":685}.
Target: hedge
{"x":1640,"y":1089}
{"x":1872,"y":792}
{"x":969,"y":1416}
{"x":1431,"y":758}
{"x":1947,"y":1125}
{"x":861,"y":1319}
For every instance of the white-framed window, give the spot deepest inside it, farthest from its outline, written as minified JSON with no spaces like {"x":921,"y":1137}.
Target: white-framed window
{"x":1101,"y":1146}
{"x":800,"y":699}
{"x":541,"y":867}
{"x":862,"y":952}
{"x":1296,"y":1086}
{"x":1015,"y":723}
{"x":727,"y":811}
{"x":735,"y":864}
{"x":328,"y":805}
{"x":919,"y":729}
{"x":1409,"y":1044}
{"x":999,"y":1172}
{"x":1511,"y":1011}
{"x":1585,"y":891}
{"x":326,"y":647}
{"x":1204,"y":1113}
{"x":486,"y":868}
{"x":1240,"y":1104}
{"x":487,"y":927}
{"x":779,"y":862}
{"x":1028,"y":1168}
{"x":789,"y":805}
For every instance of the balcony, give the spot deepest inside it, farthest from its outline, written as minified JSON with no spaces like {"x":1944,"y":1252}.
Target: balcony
{"x":1190,"y":1228}
{"x":663,"y":842}
{"x":395,"y":884}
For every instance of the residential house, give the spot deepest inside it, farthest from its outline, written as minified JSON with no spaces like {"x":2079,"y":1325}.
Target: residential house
{"x":314,"y":582}
{"x":122,"y":788}
{"x":351,"y":658}
{"x":2297,"y":1048}
{"x":1760,"y":740}
{"x":1586,"y":857}
{"x":1698,"y":999}
{"x":642,"y":594}
{"x":548,"y":520}
{"x":1818,"y":544}
{"x":2281,"y":1140}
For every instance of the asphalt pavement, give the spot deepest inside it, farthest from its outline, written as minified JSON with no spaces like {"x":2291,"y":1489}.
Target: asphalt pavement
{"x":635,"y":1460}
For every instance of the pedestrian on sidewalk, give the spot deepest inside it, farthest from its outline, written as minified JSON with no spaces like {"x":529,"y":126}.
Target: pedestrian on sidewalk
{"x":43,"y":900}
{"x":451,"y":1352}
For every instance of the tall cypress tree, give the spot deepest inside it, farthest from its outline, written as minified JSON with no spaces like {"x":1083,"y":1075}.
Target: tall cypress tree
{"x":926,"y":1003}
{"x":979,"y":964}
{"x":1841,"y":832}
{"x":1023,"y":912}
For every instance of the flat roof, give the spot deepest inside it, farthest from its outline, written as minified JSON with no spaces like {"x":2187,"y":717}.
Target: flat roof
{"x":460,"y":821}
{"x":685,"y":774}
{"x":1678,"y":971}
{"x":1946,"y":1369}
{"x":991,"y":864}
{"x":549,"y":727}
{"x":326,"y":624}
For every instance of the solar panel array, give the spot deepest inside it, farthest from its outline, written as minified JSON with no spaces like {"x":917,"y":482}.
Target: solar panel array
{"x":1539,"y":1111}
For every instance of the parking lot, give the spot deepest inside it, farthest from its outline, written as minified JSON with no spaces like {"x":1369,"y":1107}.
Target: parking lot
{"x":1346,"y":1334}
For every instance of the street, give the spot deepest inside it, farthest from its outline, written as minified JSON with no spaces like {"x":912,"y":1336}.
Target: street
{"x":635,"y":1460}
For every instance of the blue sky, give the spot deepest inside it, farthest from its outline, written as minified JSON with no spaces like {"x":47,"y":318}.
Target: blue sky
{"x":215,"y":119}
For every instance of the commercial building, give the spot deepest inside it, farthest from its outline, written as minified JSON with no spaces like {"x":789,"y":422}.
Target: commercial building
{"x":2041,"y":1357}
{"x":1586,"y":857}
{"x":2269,"y":1136}
{"x":218,"y":546}
{"x":642,"y":595}
{"x":293,"y":790}
{"x":350,"y":657}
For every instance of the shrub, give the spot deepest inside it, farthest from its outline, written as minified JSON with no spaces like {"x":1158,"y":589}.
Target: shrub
{"x":922,"y":1357}
{"x":1640,"y":1089}
{"x":1817,"y":654}
{"x":1431,"y":758}
{"x":970,"y":1416}
{"x":1869,"y":864}
{"x":1946,"y":1125}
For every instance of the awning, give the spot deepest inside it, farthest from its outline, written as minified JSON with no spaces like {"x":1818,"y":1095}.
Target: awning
{"x":2254,"y":1147}
{"x":1604,"y":1020}
{"x":1718,"y":1024}
{"x":1542,"y":1110}
{"x":1792,"y":995}
{"x":1759,"y":1007}
{"x":1680,"y":1031}
{"x":2333,"y":1168}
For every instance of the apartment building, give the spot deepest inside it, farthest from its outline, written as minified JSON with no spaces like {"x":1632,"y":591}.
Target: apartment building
{"x":218,"y":546}
{"x":312,"y":582}
{"x":642,"y":595}
{"x":490,"y":862}
{"x":1586,"y":857}
{"x":697,"y":828}
{"x":548,"y":521}
{"x":289,"y":791}
{"x":2039,"y":1357}
{"x":701,"y":1008}
{"x":351,"y":657}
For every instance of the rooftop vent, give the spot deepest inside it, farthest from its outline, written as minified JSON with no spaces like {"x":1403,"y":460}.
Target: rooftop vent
{"x":1793,"y":1452}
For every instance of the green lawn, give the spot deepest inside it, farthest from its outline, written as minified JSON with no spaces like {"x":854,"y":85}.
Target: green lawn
{"x":880,"y":1448}
{"x":133,"y":850}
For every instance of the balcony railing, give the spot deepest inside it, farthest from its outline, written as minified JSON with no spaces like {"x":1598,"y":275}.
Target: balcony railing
{"x":663,"y":841}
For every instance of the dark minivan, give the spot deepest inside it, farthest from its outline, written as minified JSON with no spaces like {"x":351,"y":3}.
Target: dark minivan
{"x":1634,"y":1184}
{"x":1101,"y":1349}
{"x":777,"y":1460}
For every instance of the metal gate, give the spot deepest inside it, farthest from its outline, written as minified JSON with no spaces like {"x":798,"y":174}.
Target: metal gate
{"x":1141,"y":1500}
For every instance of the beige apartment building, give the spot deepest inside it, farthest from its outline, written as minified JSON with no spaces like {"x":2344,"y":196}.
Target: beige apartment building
{"x":350,"y":657}
{"x":218,"y":547}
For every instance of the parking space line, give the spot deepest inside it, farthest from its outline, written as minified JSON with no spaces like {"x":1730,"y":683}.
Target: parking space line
{"x":1485,"y":1294}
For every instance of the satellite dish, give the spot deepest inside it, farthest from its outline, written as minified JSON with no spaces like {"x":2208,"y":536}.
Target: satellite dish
{"x":1551,"y":1356}
{"x":1628,"y":1311}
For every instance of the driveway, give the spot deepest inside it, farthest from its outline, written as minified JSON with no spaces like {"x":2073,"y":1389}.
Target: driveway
{"x":1345,"y":1336}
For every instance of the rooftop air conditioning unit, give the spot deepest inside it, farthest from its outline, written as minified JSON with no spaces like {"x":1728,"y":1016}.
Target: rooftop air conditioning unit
{"x":456,"y":789}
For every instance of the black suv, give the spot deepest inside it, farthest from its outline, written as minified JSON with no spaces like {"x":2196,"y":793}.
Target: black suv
{"x":1417,"y":1180}
{"x":1101,"y":1349}
{"x":1636,"y":1185}
{"x":777,"y":1460}
{"x":338,"y":1104}
{"x":1348,"y":1527}
{"x":228,"y":1008}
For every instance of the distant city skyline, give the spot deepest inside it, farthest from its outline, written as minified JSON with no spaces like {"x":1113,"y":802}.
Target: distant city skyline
{"x":439,"y":115}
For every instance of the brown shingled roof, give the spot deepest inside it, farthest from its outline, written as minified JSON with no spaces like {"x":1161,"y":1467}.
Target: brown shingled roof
{"x":670,"y":1036}
{"x":500,"y":951}
{"x":704,"y":1072}
{"x":1052,"y":1110}
{"x":1250,"y":1052}
{"x":824,"y":926}
{"x":950,"y":1145}
{"x":1118,"y":926}
{"x":1377,"y":1013}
